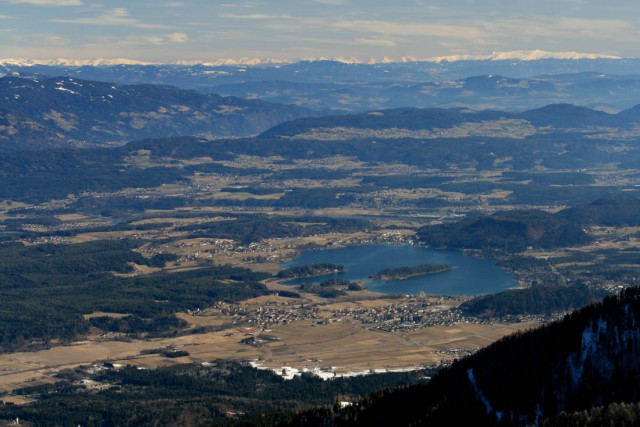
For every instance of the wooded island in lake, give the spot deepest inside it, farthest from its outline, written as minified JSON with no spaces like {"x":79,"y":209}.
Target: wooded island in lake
{"x":401,"y":273}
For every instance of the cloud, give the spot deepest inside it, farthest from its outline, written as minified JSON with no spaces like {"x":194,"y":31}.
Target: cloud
{"x":141,"y":40}
{"x":46,"y":40}
{"x":566,"y":29}
{"x":595,"y":26}
{"x":331,"y":1}
{"x":242,"y":5}
{"x":50,"y":2}
{"x":167,"y":4}
{"x":389,"y":28}
{"x":177,"y":38}
{"x":492,"y":32}
{"x":376,"y":42}
{"x":253,"y":16}
{"x":115,"y":17}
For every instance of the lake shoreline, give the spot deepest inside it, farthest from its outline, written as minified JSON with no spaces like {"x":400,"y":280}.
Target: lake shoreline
{"x":468,"y":276}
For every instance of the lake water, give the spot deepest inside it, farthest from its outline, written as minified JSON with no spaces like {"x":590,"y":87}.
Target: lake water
{"x":469,"y":276}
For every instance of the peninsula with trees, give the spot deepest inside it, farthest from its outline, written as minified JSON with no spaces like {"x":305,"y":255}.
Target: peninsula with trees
{"x":310,"y":270}
{"x":402,"y":273}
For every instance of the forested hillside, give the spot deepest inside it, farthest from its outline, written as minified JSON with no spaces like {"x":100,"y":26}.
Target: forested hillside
{"x":509,"y":231}
{"x":588,"y":359}
{"x":47,"y":289}
{"x":67,"y":112}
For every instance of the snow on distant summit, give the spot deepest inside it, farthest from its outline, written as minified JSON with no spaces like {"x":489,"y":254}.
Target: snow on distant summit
{"x":523,"y":55}
{"x":61,"y":62}
{"x":235,"y":62}
{"x":518,"y":55}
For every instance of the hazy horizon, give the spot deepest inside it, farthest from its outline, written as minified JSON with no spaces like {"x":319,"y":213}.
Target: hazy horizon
{"x":172,"y":31}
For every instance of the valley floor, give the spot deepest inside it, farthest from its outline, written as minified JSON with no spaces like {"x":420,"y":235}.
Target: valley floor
{"x":332,"y":341}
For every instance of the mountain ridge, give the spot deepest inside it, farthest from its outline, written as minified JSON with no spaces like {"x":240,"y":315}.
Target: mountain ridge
{"x":67,"y":111}
{"x":561,"y":117}
{"x":343,"y":84}
{"x":71,"y":112}
{"x":522,"y":55}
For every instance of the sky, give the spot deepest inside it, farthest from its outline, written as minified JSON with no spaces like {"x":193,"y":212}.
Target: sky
{"x":171,"y":31}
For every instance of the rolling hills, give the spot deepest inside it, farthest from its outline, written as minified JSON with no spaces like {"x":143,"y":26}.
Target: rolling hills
{"x":519,"y":81}
{"x":450,"y":123}
{"x":482,"y":91}
{"x":68,"y":112}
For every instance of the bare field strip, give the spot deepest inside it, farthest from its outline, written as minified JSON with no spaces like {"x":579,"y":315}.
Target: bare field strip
{"x":104,"y":314}
{"x":344,"y":346}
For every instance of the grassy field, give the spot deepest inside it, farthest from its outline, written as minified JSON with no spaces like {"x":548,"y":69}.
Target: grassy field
{"x":343,"y":346}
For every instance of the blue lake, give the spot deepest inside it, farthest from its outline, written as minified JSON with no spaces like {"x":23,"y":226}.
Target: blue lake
{"x":469,"y":276}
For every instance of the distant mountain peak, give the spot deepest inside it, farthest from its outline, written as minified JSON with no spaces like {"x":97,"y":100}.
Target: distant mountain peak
{"x":523,"y":55}
{"x":235,"y":62}
{"x":519,"y":55}
{"x":62,"y":62}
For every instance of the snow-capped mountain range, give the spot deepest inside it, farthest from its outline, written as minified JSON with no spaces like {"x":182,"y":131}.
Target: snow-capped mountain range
{"x":523,"y":55}
{"x":520,"y":55}
{"x":518,"y":80}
